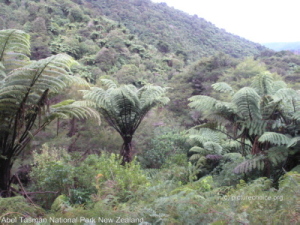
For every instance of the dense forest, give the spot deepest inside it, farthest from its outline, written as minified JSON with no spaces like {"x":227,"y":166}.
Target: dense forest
{"x":133,"y":112}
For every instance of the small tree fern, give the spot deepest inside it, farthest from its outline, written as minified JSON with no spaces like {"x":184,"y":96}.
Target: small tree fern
{"x":124,"y":107}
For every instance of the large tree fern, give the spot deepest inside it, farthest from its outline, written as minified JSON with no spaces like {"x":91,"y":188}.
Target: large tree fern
{"x":25,"y":91}
{"x":261,"y":117}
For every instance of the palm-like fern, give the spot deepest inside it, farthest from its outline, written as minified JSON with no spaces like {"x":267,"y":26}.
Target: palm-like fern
{"x":25,"y":90}
{"x":124,"y":107}
{"x":258,"y":116}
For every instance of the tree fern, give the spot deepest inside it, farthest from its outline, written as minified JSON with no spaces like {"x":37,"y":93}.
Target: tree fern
{"x":25,"y":90}
{"x":256,"y":118}
{"x":124,"y":107}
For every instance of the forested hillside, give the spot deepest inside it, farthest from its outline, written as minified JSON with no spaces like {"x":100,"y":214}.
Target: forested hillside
{"x":173,"y":30}
{"x":131,"y":112}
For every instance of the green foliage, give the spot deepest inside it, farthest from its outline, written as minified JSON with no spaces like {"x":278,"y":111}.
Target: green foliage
{"x":16,"y":207}
{"x":52,"y":172}
{"x":241,"y":75}
{"x":14,"y":50}
{"x":247,"y":102}
{"x":110,"y":178}
{"x":223,"y":174}
{"x":125,"y":107}
{"x":26,"y":88}
{"x":222,"y":87}
{"x":165,"y":147}
{"x":171,"y":29}
{"x":242,"y":133}
{"x":255,"y":117}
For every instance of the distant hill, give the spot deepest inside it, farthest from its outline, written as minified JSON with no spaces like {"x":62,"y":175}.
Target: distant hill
{"x":174,"y":30}
{"x":280,"y":46}
{"x":130,"y":40}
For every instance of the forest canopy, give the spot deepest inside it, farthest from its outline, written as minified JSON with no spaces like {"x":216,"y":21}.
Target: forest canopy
{"x":133,"y":112}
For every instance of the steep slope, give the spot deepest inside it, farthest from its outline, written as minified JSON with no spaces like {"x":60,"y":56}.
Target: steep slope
{"x":175,"y":30}
{"x":142,"y":41}
{"x":102,"y":46}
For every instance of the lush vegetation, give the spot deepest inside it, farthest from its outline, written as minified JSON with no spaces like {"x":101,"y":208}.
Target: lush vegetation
{"x":105,"y":119}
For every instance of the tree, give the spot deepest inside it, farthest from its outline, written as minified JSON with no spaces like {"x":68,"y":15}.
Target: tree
{"x":263,"y":118}
{"x":26,"y":88}
{"x":125,"y":107}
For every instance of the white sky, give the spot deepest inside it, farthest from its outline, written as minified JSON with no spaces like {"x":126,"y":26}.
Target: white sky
{"x":260,"y":21}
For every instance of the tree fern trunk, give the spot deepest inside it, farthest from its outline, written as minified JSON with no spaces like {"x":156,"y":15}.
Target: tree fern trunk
{"x":126,"y":150}
{"x":5,"y":168}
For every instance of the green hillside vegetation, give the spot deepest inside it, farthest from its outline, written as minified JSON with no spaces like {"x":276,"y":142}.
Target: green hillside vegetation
{"x":131,"y":112}
{"x":173,"y":30}
{"x":102,"y":46}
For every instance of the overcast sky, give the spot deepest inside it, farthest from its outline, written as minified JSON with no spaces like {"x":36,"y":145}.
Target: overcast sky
{"x":260,"y":21}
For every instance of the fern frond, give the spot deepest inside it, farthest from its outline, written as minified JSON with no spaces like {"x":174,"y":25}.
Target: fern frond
{"x":150,"y":94}
{"x":231,"y":146}
{"x":202,"y":103}
{"x":277,"y":155}
{"x":263,"y":83}
{"x":213,"y":147}
{"x":277,"y":85}
{"x":14,"y":49}
{"x":247,"y":102}
{"x":274,"y":138}
{"x":195,"y":157}
{"x":205,"y":134}
{"x":250,"y":164}
{"x":296,"y":116}
{"x":233,"y":156}
{"x":269,"y":106}
{"x":222,"y":87}
{"x":198,"y":139}
{"x":256,"y":127}
{"x":286,"y":93}
{"x":199,"y":150}
{"x":293,"y":142}
{"x":70,"y":108}
{"x":44,"y":74}
{"x":109,"y":83}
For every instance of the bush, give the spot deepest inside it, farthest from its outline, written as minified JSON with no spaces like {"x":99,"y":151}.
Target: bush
{"x":52,"y":172}
{"x":110,"y":178}
{"x":166,"y":146}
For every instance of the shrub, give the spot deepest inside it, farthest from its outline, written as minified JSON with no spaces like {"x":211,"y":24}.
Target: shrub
{"x":110,"y":178}
{"x":52,"y":172}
